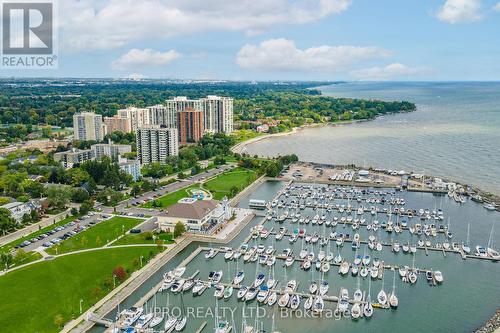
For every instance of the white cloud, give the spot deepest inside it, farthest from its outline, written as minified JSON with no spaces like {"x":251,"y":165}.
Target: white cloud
{"x":136,"y":58}
{"x":497,"y":7}
{"x":107,"y":24}
{"x":283,"y":55}
{"x":460,"y":11}
{"x":389,"y":72}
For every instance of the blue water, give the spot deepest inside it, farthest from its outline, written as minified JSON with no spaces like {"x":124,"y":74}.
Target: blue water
{"x":454,"y":133}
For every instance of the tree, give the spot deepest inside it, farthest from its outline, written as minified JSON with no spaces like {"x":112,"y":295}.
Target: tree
{"x":58,"y":196}
{"x":136,"y":190}
{"x":120,"y":273}
{"x":6,"y":221}
{"x":58,"y":320}
{"x":79,"y":195}
{"x":6,"y":259}
{"x":86,"y":207}
{"x":233,"y":191}
{"x":179,"y":229}
{"x":74,"y":211}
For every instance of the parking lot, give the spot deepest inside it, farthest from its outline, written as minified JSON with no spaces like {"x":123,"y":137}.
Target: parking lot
{"x":60,"y":233}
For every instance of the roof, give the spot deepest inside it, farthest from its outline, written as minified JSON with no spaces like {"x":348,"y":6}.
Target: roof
{"x":195,"y":211}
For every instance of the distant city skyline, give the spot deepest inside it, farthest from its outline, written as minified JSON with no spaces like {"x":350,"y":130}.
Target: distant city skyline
{"x":427,"y":40}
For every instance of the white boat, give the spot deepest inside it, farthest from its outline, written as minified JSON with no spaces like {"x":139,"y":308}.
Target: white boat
{"x":177,"y":286}
{"x":344,"y":268}
{"x":283,"y":300}
{"x":319,"y":304}
{"x":143,"y":321}
{"x":262,"y":294}
{"x":219,"y":291}
{"x":325,"y":266}
{"x":241,"y":292}
{"x":259,"y":280}
{"x":313,"y":287}
{"x":209,"y":254}
{"x":251,"y":294}
{"x":239,"y":277}
{"x":273,"y":297}
{"x":228,"y":292}
{"x":181,"y":324}
{"x":366,"y":260}
{"x":170,"y":324}
{"x":157,"y":319}
{"x":294,"y":302}
{"x":229,"y":255}
{"x":382,"y":297}
{"x":481,"y":251}
{"x":291,"y":286}
{"x":438,"y":276}
{"x":289,"y":261}
{"x":363,"y":271}
{"x":358,"y":295}
{"x":188,"y":285}
{"x":374,"y":272}
{"x":323,"y":288}
{"x":217,"y":276}
{"x":356,"y":311}
{"x":309,"y":303}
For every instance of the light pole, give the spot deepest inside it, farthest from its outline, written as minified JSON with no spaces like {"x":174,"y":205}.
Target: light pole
{"x":114,"y":281}
{"x":141,"y":260}
{"x":123,"y":228}
{"x":81,"y":305}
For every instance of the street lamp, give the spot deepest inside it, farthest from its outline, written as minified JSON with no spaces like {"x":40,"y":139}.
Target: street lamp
{"x":123,"y":228}
{"x":114,"y":281}
{"x":141,"y":260}
{"x":81,"y":305}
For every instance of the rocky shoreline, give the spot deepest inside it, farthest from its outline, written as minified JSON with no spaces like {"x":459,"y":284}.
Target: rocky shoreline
{"x":492,"y":325}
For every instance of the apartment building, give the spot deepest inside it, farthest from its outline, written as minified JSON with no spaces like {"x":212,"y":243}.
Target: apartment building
{"x":88,"y":126}
{"x":156,"y":142}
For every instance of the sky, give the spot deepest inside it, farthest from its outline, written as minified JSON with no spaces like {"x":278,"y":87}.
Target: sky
{"x":423,"y":40}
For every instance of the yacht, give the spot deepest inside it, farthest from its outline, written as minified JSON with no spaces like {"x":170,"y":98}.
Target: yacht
{"x":382,"y":297}
{"x":241,"y":293}
{"x":228,"y":292}
{"x":198,"y":288}
{"x":356,"y":311}
{"x":318,"y":305}
{"x":291,"y":286}
{"x":284,"y":299}
{"x":143,"y":321}
{"x":313,"y":287}
{"x":219,"y":291}
{"x":239,"y":277}
{"x":210,"y":254}
{"x":229,"y":255}
{"x":323,"y":288}
{"x":259,"y":280}
{"x":170,"y":324}
{"x":295,"y":302}
{"x":156,"y":320}
{"x":181,"y":324}
{"x":344,"y":268}
{"x":438,"y":276}
{"x":309,"y":303}
{"x":251,"y":293}
{"x":262,"y":294}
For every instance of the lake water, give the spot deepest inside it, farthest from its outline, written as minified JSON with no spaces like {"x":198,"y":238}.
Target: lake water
{"x":454,"y":133}
{"x":469,"y":295}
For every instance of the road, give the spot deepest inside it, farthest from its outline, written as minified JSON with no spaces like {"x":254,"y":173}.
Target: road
{"x":126,"y":205}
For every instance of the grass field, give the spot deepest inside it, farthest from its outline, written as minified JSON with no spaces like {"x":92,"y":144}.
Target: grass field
{"x":96,"y":236}
{"x":142,"y":239}
{"x":33,"y":296}
{"x":222,"y":184}
{"x":171,"y":198}
{"x":244,"y":135}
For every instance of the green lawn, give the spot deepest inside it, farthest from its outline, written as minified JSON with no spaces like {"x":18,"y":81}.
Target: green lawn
{"x":33,"y":296}
{"x":171,"y":198}
{"x":142,"y":239}
{"x":96,"y":236}
{"x":222,"y":184}
{"x":244,"y":135}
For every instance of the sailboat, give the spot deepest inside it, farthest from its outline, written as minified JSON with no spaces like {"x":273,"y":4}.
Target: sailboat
{"x":181,"y":321}
{"x":368,"y":308}
{"x":382,"y":296}
{"x":490,"y":250}
{"x":393,"y":299}
{"x":465,"y":246}
{"x":171,"y":321}
{"x":157,"y":317}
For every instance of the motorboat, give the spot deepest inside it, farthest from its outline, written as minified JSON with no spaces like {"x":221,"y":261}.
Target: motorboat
{"x":366,"y":260}
{"x":319,"y":304}
{"x":156,"y":320}
{"x":294,"y":302}
{"x":309,"y":303}
{"x":438,"y":276}
{"x":170,"y":324}
{"x":143,"y":321}
{"x":223,"y":327}
{"x":344,"y":268}
{"x":262,"y":294}
{"x":198,"y":288}
{"x":229,"y":255}
{"x":219,"y":291}
{"x":313,"y":287}
{"x":209,"y":254}
{"x":238,"y":278}
{"x":228,"y":292}
{"x":242,"y":292}
{"x":259,"y":280}
{"x":291,"y":286}
{"x":382,"y":297}
{"x":358,"y":295}
{"x":323,"y":288}
{"x":356,"y":311}
{"x":188,"y":285}
{"x":251,"y":293}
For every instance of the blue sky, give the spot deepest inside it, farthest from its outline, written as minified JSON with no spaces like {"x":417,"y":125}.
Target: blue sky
{"x":279,"y":39}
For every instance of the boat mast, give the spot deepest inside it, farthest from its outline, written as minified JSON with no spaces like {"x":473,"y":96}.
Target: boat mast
{"x":491,"y":234}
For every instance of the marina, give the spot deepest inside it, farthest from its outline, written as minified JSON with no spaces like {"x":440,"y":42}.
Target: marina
{"x":266,"y":249}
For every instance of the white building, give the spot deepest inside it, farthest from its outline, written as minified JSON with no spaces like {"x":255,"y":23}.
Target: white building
{"x":132,"y":167}
{"x":162,"y":115}
{"x":155,"y":143}
{"x":109,"y":149}
{"x":217,"y":111}
{"x":88,"y":126}
{"x":138,"y":117}
{"x":218,"y":114}
{"x":75,"y":156}
{"x":197,"y":215}
{"x":19,"y":209}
